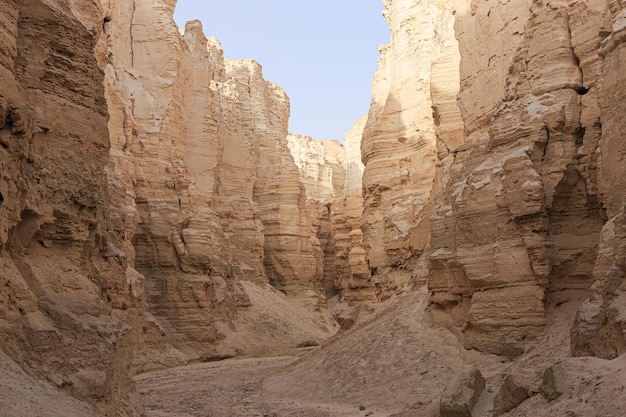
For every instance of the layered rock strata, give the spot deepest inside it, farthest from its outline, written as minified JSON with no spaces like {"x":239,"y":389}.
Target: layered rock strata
{"x":332,"y":176}
{"x":321,"y":166}
{"x":519,"y":229}
{"x":123,"y":145}
{"x":600,"y":325}
{"x":354,"y":278}
{"x":525,"y":103}
{"x":73,"y":308}
{"x":216,"y":191}
{"x":399,"y":149}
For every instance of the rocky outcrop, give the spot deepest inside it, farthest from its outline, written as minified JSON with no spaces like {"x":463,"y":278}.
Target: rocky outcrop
{"x":518,"y":186}
{"x":398,"y":150}
{"x":321,"y":166}
{"x":600,"y":326}
{"x":509,"y":221}
{"x":461,"y":394}
{"x":217,"y":195}
{"x":149,"y":112}
{"x":353,"y":274}
{"x":134,"y":156}
{"x":332,"y":176}
{"x":73,"y":308}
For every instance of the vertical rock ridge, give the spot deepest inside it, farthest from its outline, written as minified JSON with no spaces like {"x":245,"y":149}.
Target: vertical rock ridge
{"x":354,"y":278}
{"x":122,"y":197}
{"x":321,"y":166}
{"x":599,"y":326}
{"x":398,"y":149}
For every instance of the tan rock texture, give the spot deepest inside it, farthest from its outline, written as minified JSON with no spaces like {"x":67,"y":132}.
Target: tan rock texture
{"x":520,"y":228}
{"x":72,"y":307}
{"x":217,"y":195}
{"x":153,"y":210}
{"x":148,"y":200}
{"x":510,"y":204}
{"x":600,"y":325}
{"x":332,"y":176}
{"x":398,"y":149}
{"x":322,"y":170}
{"x":353,"y":275}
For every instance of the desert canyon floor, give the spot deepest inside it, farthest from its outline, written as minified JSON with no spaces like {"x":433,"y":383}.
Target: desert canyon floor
{"x":394,"y":363}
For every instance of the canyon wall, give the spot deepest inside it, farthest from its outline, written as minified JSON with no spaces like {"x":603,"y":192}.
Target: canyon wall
{"x":399,"y":150}
{"x":600,"y":324}
{"x":154,"y":210}
{"x":509,"y":205}
{"x":321,"y":166}
{"x":220,"y":209}
{"x":150,"y":210}
{"x":332,"y":176}
{"x":73,"y":308}
{"x":354,"y":277}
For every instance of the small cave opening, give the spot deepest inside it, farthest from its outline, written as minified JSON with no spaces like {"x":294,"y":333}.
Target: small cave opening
{"x":24,"y":231}
{"x":582,"y":91}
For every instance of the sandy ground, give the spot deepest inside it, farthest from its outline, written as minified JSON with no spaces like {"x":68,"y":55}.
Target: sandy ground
{"x":229,"y":388}
{"x":396,"y":363}
{"x":23,"y":396}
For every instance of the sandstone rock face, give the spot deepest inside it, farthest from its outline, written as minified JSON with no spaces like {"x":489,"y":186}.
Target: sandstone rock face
{"x":216,"y":191}
{"x":132,"y":154}
{"x":172,"y":238}
{"x":73,"y":308}
{"x":332,"y":176}
{"x":509,"y":395}
{"x":353,"y":274}
{"x":521,"y":223}
{"x":510,"y":218}
{"x":600,"y":326}
{"x":322,"y":167}
{"x":398,"y":149}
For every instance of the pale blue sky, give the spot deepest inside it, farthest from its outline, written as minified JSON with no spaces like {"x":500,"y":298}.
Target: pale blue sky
{"x":322,"y":53}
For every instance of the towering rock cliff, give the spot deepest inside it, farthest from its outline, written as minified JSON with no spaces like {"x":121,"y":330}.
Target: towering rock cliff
{"x":600,"y":324}
{"x":353,"y":274}
{"x":321,"y":167}
{"x":153,"y":209}
{"x":217,"y":194}
{"x":73,"y":308}
{"x":508,"y":222}
{"x":332,"y":176}
{"x":132,"y":154}
{"x":398,"y":149}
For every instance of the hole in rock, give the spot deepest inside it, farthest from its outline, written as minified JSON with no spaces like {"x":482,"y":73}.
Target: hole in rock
{"x":582,"y":91}
{"x":27,"y":227}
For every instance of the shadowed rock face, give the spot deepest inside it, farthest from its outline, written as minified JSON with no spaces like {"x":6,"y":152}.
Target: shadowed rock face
{"x":217,"y":196}
{"x":72,"y":308}
{"x":600,"y":324}
{"x":332,"y":176}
